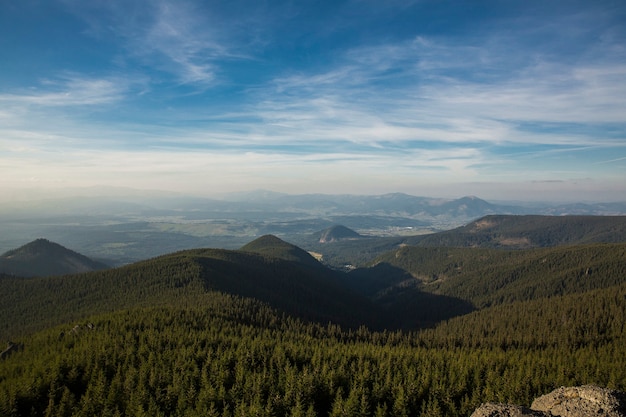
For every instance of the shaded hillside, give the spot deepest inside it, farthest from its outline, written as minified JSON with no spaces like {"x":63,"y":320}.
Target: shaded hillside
{"x":305,"y":290}
{"x":405,"y":304}
{"x":532,"y":231}
{"x":44,"y":258}
{"x":491,"y":276}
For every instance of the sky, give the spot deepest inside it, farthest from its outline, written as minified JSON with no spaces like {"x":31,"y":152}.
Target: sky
{"x":502,"y":99}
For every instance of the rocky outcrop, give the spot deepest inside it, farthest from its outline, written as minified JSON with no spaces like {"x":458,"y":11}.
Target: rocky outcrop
{"x":584,"y":401}
{"x":505,"y":410}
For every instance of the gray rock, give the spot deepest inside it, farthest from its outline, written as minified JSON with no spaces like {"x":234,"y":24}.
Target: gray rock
{"x":584,"y":401}
{"x":506,"y":410}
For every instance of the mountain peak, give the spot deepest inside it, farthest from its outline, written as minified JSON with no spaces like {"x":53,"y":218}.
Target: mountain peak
{"x":264,"y":242}
{"x":35,"y":248}
{"x":42,"y":257}
{"x":270,"y":245}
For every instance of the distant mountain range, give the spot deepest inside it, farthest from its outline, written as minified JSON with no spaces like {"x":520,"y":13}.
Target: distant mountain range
{"x":493,"y":231}
{"x":127,"y":227}
{"x":405,"y":205}
{"x":265,"y":205}
{"x":531,"y":231}
{"x":44,"y":258}
{"x":339,"y":245}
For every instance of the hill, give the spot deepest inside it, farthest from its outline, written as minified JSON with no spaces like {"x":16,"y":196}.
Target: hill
{"x":272,"y":246}
{"x":521,"y":232}
{"x":487,"y":277}
{"x":210,"y":332}
{"x":337,"y":233}
{"x":232,"y":356}
{"x":125,"y":226}
{"x":493,"y":231}
{"x":304,"y":288}
{"x":44,"y":258}
{"x":590,"y":318}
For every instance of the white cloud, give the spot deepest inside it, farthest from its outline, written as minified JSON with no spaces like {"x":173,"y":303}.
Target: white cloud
{"x":547,"y":93}
{"x":423,"y":110}
{"x":446,"y":91}
{"x":181,"y":38}
{"x":70,"y":90}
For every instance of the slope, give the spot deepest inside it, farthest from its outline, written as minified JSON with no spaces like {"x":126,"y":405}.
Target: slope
{"x":593,"y":318}
{"x":44,"y":258}
{"x":493,"y":231}
{"x":532,"y":231}
{"x":301,"y":289}
{"x":237,"y":357}
{"x":491,"y":276}
{"x":272,"y":246}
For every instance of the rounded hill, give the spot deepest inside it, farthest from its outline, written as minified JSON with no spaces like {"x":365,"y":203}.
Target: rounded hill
{"x":337,"y":233}
{"x":44,"y":258}
{"x":272,"y":246}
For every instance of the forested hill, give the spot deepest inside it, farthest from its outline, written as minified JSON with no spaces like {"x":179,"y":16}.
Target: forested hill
{"x":410,"y":287}
{"x":227,"y":356}
{"x":530,"y":231}
{"x":267,"y":331}
{"x":306,"y":290}
{"x":272,"y":246}
{"x":44,"y":258}
{"x":486,"y":277}
{"x":494,"y":231}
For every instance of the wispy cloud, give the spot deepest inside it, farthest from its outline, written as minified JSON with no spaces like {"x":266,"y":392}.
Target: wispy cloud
{"x":70,"y":90}
{"x":441,"y":90}
{"x":217,"y":92}
{"x":610,"y":161}
{"x":179,"y":38}
{"x":183,"y":39}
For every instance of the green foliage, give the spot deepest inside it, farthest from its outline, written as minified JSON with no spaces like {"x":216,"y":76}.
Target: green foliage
{"x":44,"y":258}
{"x":496,"y":231}
{"x":274,"y":247}
{"x":309,"y":292}
{"x":224,"y":333}
{"x":491,"y":276}
{"x":593,"y":318}
{"x":234,"y":356}
{"x":532,"y":231}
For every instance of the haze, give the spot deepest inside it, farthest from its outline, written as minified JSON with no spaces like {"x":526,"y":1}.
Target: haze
{"x":520,"y":100}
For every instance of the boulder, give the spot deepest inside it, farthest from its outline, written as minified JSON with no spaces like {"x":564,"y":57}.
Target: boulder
{"x":584,"y":401}
{"x":587,"y":400}
{"x":506,"y":410}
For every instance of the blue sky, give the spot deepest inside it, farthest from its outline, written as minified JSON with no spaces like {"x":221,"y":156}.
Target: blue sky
{"x":502,"y":99}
